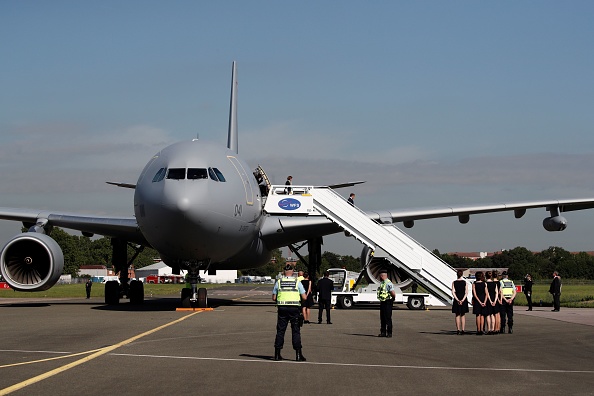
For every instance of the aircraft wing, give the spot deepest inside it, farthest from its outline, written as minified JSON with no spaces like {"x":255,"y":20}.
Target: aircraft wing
{"x":342,"y":185}
{"x":463,"y":212}
{"x":117,"y":227}
{"x":279,"y":231}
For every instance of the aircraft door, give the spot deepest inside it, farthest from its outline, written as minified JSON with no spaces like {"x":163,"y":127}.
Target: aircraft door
{"x":249,"y":192}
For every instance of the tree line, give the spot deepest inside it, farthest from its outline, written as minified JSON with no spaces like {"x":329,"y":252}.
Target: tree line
{"x":521,"y":261}
{"x":82,"y":250}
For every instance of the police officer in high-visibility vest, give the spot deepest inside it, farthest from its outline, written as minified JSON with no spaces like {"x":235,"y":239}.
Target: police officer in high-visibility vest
{"x":288,"y":293}
{"x":507,"y":291}
{"x":386,"y":295}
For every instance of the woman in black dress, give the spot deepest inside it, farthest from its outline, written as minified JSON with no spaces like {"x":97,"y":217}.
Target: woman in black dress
{"x":479,"y":301}
{"x":497,"y":306}
{"x":308,"y":302}
{"x":460,"y":303}
{"x":492,"y":297}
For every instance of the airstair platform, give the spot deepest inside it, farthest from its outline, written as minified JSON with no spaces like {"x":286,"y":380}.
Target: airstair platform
{"x":428,"y":270}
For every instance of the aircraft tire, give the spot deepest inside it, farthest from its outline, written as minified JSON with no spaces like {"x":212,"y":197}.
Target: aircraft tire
{"x":416,"y":302}
{"x":346,"y":302}
{"x":112,"y":292}
{"x":136,"y":292}
{"x":202,"y":298}
{"x":186,"y":293}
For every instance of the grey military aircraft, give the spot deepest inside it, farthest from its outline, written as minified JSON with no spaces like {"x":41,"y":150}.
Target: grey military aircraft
{"x":200,"y":206}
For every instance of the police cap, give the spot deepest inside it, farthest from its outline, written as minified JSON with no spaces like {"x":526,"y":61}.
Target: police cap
{"x":504,"y":273}
{"x":383,"y":271}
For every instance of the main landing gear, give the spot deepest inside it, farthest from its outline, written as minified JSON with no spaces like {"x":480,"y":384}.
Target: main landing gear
{"x":115,"y":290}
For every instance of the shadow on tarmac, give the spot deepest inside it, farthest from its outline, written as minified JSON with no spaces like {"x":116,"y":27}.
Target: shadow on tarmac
{"x":262,"y":357}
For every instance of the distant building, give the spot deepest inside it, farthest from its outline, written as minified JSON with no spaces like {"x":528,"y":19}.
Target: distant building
{"x":161,"y":269}
{"x":472,"y":255}
{"x":95,"y":270}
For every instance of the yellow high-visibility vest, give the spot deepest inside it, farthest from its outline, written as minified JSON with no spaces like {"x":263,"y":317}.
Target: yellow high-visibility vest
{"x":288,"y":292}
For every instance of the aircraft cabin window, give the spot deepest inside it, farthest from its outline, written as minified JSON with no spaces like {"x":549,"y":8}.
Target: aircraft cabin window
{"x":197,"y":173}
{"x":212,"y":174}
{"x":176,"y":173}
{"x":160,"y":175}
{"x":219,"y":174}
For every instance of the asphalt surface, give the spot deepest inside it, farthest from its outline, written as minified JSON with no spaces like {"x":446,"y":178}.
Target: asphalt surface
{"x":79,"y":346}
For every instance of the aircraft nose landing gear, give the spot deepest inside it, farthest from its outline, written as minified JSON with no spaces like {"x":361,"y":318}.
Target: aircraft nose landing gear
{"x":194,"y":297}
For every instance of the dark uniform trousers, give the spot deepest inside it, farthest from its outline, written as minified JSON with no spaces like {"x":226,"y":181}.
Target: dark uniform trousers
{"x":324,"y":303}
{"x":557,"y":301}
{"x":386,"y":316}
{"x":285,"y":315}
{"x":507,"y":310}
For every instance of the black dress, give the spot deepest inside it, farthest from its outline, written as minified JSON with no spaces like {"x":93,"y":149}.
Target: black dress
{"x":459,"y":289}
{"x":492,"y":289}
{"x":309,"y":302}
{"x":481,"y":290}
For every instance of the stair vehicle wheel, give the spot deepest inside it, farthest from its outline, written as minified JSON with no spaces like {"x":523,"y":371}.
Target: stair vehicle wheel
{"x":112,"y":292}
{"x":186,"y":293}
{"x":136,"y":292}
{"x":202,"y":298}
{"x":346,"y":302}
{"x":416,"y":302}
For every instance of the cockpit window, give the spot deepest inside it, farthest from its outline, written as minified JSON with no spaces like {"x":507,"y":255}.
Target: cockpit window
{"x":176,"y":173}
{"x":197,"y":173}
{"x":212,"y":174}
{"x":219,"y":174}
{"x":160,"y":175}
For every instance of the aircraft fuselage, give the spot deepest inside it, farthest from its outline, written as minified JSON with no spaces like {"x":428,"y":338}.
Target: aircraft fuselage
{"x":196,"y":201}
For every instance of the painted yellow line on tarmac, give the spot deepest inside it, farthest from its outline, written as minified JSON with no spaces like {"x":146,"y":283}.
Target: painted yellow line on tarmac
{"x":100,"y":352}
{"x":52,"y":358}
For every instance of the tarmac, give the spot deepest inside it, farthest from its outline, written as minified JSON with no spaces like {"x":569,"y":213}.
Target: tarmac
{"x":80,"y":346}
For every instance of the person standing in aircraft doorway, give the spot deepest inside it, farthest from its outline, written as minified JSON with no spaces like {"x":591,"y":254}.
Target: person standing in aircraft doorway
{"x":288,"y":183}
{"x":288,"y":293}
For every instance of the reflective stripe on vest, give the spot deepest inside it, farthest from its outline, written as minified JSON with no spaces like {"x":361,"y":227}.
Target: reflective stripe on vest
{"x":507,"y":287}
{"x":382,"y":292}
{"x":288,"y":292}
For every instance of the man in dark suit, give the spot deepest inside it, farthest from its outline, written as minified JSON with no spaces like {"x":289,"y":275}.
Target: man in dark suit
{"x":555,"y":290}
{"x":325,"y":288}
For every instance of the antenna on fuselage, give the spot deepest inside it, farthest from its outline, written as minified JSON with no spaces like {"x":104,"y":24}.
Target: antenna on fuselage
{"x":232,"y":141}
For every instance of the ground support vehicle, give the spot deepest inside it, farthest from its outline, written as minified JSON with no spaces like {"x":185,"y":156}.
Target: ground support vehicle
{"x":348,"y":292}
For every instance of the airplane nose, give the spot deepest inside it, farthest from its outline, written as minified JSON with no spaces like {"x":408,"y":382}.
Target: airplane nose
{"x":183,"y":204}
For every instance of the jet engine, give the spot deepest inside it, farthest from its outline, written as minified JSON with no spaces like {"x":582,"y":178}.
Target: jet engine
{"x":555,"y":223}
{"x":31,"y":262}
{"x":398,"y":277}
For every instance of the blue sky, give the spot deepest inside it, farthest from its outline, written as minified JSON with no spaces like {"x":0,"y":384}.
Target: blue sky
{"x":432,"y":103}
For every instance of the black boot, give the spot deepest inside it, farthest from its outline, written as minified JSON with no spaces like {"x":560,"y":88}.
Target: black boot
{"x":509,"y":330}
{"x":299,"y":356}
{"x":502,"y":329}
{"x":277,"y":355}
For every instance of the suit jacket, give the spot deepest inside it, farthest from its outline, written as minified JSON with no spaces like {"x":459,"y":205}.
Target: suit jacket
{"x":555,"y":286}
{"x":325,"y":288}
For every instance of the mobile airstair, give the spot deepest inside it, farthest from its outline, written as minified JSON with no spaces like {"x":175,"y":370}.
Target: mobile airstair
{"x":428,"y":270}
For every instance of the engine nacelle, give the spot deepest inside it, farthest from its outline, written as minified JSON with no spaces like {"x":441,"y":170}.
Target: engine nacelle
{"x":398,"y":277}
{"x":31,"y":262}
{"x":555,"y":223}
